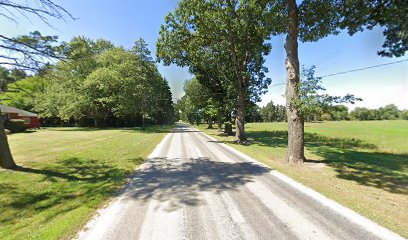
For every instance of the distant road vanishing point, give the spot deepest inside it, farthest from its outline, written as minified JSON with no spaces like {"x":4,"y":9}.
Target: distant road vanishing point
{"x":193,"y":187}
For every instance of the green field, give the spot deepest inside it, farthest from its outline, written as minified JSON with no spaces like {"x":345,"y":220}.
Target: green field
{"x":64,"y":175}
{"x":361,"y":164}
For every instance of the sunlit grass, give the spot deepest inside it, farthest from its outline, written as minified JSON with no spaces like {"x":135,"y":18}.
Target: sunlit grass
{"x":361,"y":164}
{"x":64,"y":174}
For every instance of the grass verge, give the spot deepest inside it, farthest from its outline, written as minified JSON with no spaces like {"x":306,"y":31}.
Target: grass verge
{"x":362,"y":165}
{"x":64,"y":175}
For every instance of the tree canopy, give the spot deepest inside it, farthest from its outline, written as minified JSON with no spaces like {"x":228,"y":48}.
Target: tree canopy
{"x":97,"y":84}
{"x":224,"y":43}
{"x":311,"y":20}
{"x":26,"y":52}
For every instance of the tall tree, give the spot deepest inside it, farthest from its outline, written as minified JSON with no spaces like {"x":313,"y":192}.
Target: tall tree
{"x":202,"y":98}
{"x":312,"y":20}
{"x":231,"y":34}
{"x":105,"y":85}
{"x":141,"y":49}
{"x":310,"y":27}
{"x":27,"y":51}
{"x":24,"y":92}
{"x":295,"y":120}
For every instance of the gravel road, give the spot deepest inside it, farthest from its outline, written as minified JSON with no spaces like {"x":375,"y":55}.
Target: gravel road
{"x":194,"y":187}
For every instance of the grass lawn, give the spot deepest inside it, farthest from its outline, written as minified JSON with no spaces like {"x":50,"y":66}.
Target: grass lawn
{"x":64,"y":175}
{"x":360,"y":164}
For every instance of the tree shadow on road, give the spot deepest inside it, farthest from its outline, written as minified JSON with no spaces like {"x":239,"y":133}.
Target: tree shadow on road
{"x":166,"y":180}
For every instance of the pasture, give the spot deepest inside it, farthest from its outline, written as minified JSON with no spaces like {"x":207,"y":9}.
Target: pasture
{"x":360,"y":164}
{"x":64,"y":175}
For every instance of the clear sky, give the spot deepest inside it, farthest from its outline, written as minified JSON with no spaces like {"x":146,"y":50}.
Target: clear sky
{"x":123,"y":22}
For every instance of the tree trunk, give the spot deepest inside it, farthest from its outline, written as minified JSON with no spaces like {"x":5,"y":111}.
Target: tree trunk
{"x":6,"y":159}
{"x":210,"y":122}
{"x":228,"y":128}
{"x":143,"y":122}
{"x":219,"y":126}
{"x":240,"y":119}
{"x":228,"y":125}
{"x":295,"y":120}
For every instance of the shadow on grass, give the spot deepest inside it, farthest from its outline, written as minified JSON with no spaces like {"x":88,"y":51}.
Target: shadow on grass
{"x":79,"y":129}
{"x":151,"y":129}
{"x":75,"y":169}
{"x":376,"y":169}
{"x":352,"y":159}
{"x":28,"y":131}
{"x":74,"y":183}
{"x":57,"y":188}
{"x":280,"y":139}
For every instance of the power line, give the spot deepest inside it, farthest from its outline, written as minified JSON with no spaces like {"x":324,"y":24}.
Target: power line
{"x":364,"y":68}
{"x":327,"y":58}
{"x":352,"y":70}
{"x":278,"y":84}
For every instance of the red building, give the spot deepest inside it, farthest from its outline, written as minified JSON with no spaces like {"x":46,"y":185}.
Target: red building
{"x":31,"y":120}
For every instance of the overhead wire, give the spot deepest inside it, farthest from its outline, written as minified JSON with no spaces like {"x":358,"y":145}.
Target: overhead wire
{"x":364,"y":68}
{"x":352,"y":70}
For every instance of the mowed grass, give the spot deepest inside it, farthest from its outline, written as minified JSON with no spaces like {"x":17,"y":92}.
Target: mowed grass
{"x":360,"y":164}
{"x":65,"y":174}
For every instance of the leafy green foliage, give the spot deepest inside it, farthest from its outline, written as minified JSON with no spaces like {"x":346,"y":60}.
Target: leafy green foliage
{"x":223,"y":44}
{"x":320,"y":18}
{"x":141,"y":49}
{"x":97,"y":84}
{"x":338,"y":113}
{"x":9,"y":76}
{"x":185,"y":109}
{"x":391,"y":15}
{"x":273,"y":113}
{"x":312,"y":102}
{"x":31,"y":51}
{"x":24,"y":92}
{"x":209,"y":50}
{"x":404,"y":114}
{"x":196,"y":103}
{"x":389,"y":112}
{"x":253,"y":113}
{"x":28,"y":52}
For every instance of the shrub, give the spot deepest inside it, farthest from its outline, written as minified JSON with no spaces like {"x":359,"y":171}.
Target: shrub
{"x":404,"y":114}
{"x":326,"y":117}
{"x":15,"y":125}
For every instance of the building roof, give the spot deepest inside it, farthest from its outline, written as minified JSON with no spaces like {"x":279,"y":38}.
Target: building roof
{"x":20,"y":112}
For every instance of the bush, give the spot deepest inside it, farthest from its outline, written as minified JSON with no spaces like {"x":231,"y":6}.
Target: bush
{"x":15,"y":125}
{"x":326,"y":117}
{"x":404,"y":114}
